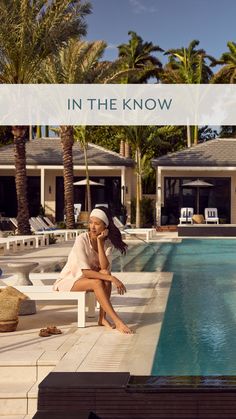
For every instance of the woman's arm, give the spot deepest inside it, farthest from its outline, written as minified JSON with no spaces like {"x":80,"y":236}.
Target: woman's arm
{"x":103,"y":261}
{"x":89,"y":273}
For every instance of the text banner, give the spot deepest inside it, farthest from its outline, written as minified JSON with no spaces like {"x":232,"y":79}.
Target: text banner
{"x":115,"y":104}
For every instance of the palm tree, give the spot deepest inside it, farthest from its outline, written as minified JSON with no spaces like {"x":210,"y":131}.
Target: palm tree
{"x":78,"y":62}
{"x":137,"y":137}
{"x":30,"y":31}
{"x":188,"y":66}
{"x":21,"y":179}
{"x":73,"y":64}
{"x":138,"y":56}
{"x":227,"y":74}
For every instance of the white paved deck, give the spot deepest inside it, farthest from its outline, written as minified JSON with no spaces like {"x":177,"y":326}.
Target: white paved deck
{"x":26,"y":358}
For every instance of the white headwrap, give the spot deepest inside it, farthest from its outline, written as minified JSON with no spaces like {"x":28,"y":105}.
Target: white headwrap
{"x":101,"y":215}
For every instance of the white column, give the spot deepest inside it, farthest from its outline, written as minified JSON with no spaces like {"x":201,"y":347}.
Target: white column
{"x":158,"y":196}
{"x":42,"y":187}
{"x":123,"y":185}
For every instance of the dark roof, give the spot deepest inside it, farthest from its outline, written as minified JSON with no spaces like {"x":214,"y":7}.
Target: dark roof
{"x":48,"y":151}
{"x":219,"y":152}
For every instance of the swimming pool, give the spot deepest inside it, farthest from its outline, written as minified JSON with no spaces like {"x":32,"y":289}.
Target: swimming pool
{"x":198,"y":335}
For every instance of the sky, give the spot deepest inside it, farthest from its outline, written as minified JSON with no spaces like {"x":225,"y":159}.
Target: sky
{"x":167,"y":23}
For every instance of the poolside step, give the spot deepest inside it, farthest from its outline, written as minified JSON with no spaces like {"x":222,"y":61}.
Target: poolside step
{"x":19,"y":374}
{"x":134,"y":252}
{"x":118,"y":261}
{"x":14,"y":397}
{"x":140,"y":259}
{"x":157,"y":260}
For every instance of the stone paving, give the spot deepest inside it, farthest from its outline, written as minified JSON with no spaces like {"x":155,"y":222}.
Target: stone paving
{"x":26,"y":358}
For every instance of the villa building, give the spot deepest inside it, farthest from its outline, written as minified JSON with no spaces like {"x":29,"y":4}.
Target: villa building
{"x":113,"y":173}
{"x":214,"y":162}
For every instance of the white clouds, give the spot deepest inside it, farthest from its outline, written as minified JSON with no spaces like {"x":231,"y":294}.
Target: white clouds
{"x":111,"y":46}
{"x":139,"y":6}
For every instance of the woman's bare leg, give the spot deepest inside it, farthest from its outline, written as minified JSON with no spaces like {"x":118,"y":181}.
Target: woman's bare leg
{"x":102,"y":320}
{"x":85,"y":284}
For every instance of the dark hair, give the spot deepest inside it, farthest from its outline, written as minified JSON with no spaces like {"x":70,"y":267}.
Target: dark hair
{"x":114,"y":233}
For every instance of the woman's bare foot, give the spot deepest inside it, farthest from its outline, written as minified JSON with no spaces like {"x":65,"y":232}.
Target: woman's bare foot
{"x":106,"y":323}
{"x":123,"y":328}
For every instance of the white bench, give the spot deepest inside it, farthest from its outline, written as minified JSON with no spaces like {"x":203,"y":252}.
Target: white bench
{"x":20,"y":243}
{"x":148,"y":232}
{"x":39,"y":240}
{"x":45,"y":292}
{"x":12,"y":243}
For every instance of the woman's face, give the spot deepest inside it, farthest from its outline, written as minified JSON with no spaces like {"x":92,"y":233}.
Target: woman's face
{"x":96,"y":226}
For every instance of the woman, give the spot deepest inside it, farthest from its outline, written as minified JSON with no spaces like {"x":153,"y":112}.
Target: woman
{"x":89,"y":266}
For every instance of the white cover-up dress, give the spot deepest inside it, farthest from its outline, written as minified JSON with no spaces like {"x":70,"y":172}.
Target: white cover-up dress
{"x":82,"y":256}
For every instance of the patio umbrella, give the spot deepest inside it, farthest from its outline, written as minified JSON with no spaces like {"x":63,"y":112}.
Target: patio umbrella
{"x":197,"y":184}
{"x":83,"y":182}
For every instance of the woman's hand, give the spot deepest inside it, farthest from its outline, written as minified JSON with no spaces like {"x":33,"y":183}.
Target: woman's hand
{"x":103,"y":234}
{"x":119,"y":285}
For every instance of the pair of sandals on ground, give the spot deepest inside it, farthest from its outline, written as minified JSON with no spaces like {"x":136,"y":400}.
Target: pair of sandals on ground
{"x":49,"y":331}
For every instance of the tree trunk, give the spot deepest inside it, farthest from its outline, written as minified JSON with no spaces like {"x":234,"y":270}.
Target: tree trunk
{"x":195,"y":135}
{"x":138,"y":188}
{"x":46,"y":131}
{"x":21,"y":180}
{"x":38,"y":131}
{"x":87,"y":180}
{"x":67,"y":140}
{"x":138,"y":215}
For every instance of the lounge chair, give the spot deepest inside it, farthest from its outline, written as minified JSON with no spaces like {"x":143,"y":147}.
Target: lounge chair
{"x":148,"y":232}
{"x":49,"y":222}
{"x":41,"y":226}
{"x":211,"y":215}
{"x":29,"y":241}
{"x":186,"y":215}
{"x":118,"y":223}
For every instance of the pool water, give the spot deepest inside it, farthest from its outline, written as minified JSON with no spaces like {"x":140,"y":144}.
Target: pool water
{"x":198,"y":335}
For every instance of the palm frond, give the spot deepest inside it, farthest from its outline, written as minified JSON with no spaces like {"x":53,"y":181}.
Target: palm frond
{"x":30,"y":31}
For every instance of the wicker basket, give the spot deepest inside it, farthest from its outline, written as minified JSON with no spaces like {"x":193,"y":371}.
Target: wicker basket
{"x":10,"y":299}
{"x":12,"y":292}
{"x":9,"y":307}
{"x":8,"y":326}
{"x":198,"y":219}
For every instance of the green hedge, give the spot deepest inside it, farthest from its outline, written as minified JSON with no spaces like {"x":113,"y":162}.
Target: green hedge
{"x":147,"y":209}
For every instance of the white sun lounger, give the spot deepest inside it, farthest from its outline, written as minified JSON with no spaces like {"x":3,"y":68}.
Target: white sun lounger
{"x":17,"y":243}
{"x":45,"y":292}
{"x":67,"y":233}
{"x":148,"y":232}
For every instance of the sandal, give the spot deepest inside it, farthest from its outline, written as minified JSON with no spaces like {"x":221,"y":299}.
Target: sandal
{"x":53,"y":330}
{"x":44,"y":333}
